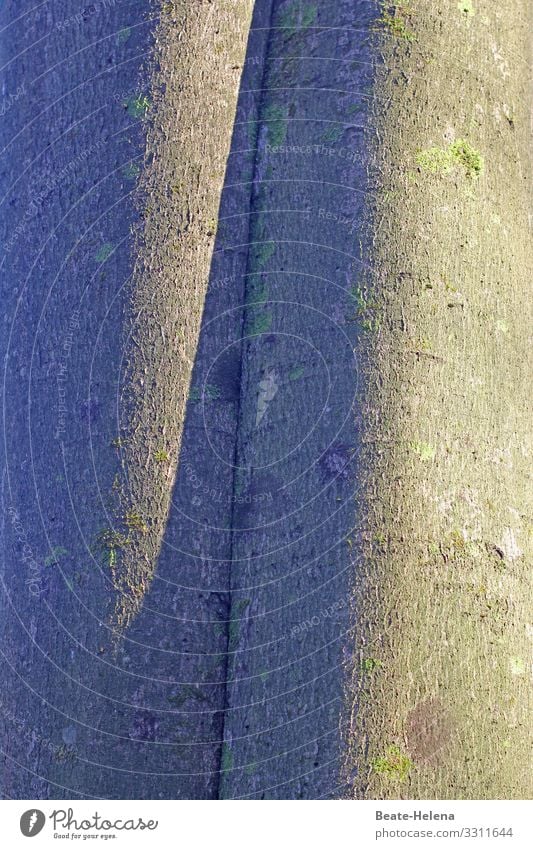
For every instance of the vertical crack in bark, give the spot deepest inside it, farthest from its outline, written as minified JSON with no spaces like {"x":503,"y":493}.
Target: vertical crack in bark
{"x":231,"y":607}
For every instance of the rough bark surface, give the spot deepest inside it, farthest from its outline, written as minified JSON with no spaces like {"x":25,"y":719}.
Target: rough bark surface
{"x":245,"y":383}
{"x":441,"y":603}
{"x":72,"y":143}
{"x":295,"y":464}
{"x":198,"y":58}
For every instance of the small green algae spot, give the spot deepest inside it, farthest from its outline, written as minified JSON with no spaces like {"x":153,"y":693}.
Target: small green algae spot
{"x":296,"y":373}
{"x":276,"y":120}
{"x":394,"y":18}
{"x":393,"y":764}
{"x":295,"y":19}
{"x":258,"y":293}
{"x":366,"y":309}
{"x":111,"y":539}
{"x":332,"y":135}
{"x":370,"y":664}
{"x":226,"y":761}
{"x":135,"y":522}
{"x":471,"y":160}
{"x":211,"y":227}
{"x":251,"y":131}
{"x":262,"y":253}
{"x":261,"y":324}
{"x":424,"y":450}
{"x":188,"y":692}
{"x":123,"y":35}
{"x":57,"y":553}
{"x":517,"y":666}
{"x":370,"y":325}
{"x":436,"y":160}
{"x":131,"y":171}
{"x":104,"y":252}
{"x":460,"y":153}
{"x":137,"y":106}
{"x":241,"y":605}
{"x":119,"y":442}
{"x":309,"y":16}
{"x":234,"y":624}
{"x":209,"y":392}
{"x":233,"y":633}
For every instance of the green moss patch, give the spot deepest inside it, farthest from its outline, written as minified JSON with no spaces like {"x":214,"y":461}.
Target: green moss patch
{"x":458,"y":154}
{"x":394,"y":764}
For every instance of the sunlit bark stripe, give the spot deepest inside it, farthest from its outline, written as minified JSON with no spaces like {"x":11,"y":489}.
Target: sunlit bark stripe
{"x":441,"y":683}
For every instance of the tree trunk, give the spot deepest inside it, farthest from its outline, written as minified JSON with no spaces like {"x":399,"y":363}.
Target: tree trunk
{"x":441,"y":686}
